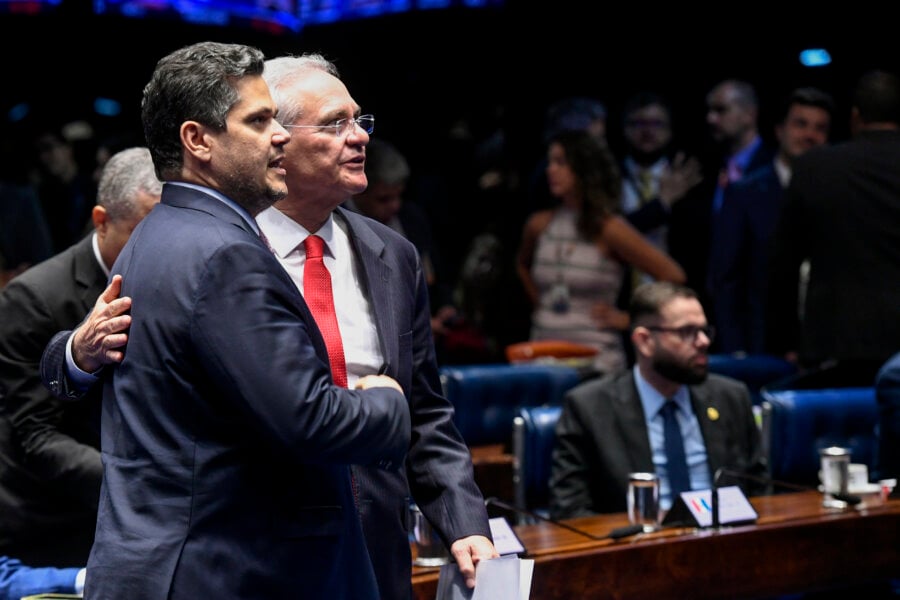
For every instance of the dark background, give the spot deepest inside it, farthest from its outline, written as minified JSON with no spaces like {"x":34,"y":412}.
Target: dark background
{"x":464,"y":91}
{"x":420,"y":71}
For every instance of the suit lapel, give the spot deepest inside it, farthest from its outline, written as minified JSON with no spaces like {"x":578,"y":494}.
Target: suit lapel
{"x":376,"y":276}
{"x":629,"y":415}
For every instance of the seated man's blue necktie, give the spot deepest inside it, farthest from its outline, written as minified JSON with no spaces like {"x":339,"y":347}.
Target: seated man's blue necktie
{"x":676,"y":467}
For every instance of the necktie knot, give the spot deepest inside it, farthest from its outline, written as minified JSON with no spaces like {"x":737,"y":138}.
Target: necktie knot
{"x":314,"y":246}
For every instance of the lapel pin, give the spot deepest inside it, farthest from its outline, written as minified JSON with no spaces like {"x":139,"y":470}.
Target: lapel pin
{"x":712,"y":413}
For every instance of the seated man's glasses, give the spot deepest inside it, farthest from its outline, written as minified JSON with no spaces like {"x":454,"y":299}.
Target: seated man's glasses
{"x":688,"y":333}
{"x":342,"y":127}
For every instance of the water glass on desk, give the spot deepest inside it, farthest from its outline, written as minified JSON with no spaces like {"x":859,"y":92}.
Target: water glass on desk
{"x":643,"y":500}
{"x":835,"y":475}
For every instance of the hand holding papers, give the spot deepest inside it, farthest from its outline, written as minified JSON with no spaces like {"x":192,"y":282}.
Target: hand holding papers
{"x":505,"y":578}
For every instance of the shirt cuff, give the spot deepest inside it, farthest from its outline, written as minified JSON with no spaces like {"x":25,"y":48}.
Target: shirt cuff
{"x":80,"y":379}
{"x":79,"y":581}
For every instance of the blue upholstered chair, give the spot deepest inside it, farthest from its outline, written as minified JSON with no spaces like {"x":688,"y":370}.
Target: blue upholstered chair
{"x":756,"y":370}
{"x":798,"y":423}
{"x":487,"y":397}
{"x":534,"y":435}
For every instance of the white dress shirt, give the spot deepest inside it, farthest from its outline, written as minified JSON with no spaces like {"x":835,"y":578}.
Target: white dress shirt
{"x":362,"y":349}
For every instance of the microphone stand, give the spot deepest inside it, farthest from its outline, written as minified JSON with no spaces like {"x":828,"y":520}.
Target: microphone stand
{"x":615,"y":534}
{"x":850,"y":499}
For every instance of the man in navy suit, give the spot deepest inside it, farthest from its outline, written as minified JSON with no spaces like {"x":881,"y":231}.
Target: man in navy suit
{"x":739,"y":267}
{"x":225,"y":441}
{"x":732,"y":117}
{"x":383,"y":313}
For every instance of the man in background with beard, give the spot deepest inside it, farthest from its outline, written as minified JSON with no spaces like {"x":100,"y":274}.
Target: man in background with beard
{"x":615,"y":425}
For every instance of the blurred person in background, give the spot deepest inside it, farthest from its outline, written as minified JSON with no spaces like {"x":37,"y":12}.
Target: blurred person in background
{"x":572,"y":259}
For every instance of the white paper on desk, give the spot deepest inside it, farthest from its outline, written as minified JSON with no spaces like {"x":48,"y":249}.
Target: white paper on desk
{"x":505,"y":539}
{"x":505,"y":578}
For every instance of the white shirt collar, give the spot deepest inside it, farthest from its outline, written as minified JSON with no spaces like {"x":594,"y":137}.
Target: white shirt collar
{"x":285,"y":234}
{"x":95,"y":243}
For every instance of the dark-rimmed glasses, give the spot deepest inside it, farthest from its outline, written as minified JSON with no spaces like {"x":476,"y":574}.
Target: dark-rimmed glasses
{"x":688,"y":333}
{"x":342,"y":127}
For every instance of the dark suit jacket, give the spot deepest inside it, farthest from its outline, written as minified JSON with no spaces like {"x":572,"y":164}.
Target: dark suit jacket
{"x":692,"y":225}
{"x":225,"y":443}
{"x":739,"y":266}
{"x":601,"y":437}
{"x":50,"y":467}
{"x":842,"y":212}
{"x":438,"y":470}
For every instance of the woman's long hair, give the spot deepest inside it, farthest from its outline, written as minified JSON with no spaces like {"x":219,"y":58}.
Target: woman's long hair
{"x":598,"y":177}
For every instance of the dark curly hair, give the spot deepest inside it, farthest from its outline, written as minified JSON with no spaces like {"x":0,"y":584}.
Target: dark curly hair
{"x":598,"y":176}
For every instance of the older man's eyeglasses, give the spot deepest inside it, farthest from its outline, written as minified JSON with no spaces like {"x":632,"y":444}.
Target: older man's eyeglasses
{"x":688,"y":333}
{"x":342,"y":127}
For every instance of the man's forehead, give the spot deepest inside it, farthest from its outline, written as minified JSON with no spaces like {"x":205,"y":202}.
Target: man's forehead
{"x":682,"y":309}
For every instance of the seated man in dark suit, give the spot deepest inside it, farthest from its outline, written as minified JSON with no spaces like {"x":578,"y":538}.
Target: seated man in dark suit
{"x":614,"y":425}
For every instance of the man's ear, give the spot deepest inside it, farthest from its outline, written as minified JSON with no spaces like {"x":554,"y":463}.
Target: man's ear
{"x":195,"y":141}
{"x":100,"y":218}
{"x":642,"y":340}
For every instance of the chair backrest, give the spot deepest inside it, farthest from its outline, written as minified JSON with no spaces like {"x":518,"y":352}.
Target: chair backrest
{"x":534,"y":435}
{"x":755,"y":370}
{"x":486,"y":397}
{"x":798,"y":423}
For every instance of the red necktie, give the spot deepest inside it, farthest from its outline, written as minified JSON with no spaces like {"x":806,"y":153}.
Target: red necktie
{"x":317,"y":293}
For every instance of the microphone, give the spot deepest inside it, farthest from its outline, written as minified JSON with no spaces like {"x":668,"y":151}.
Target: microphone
{"x":615,"y":534}
{"x":850,"y":499}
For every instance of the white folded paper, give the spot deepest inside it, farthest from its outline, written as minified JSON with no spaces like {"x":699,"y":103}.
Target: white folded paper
{"x":504,"y":578}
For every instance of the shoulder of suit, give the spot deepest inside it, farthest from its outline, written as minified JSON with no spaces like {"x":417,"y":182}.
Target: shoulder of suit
{"x":610,"y":384}
{"x":723,"y":384}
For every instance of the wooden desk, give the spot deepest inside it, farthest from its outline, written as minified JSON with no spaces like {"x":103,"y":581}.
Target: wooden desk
{"x":796,"y":545}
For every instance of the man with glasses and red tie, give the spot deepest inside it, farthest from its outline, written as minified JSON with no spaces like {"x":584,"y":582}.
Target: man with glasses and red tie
{"x":666,"y":415}
{"x":383,"y":316}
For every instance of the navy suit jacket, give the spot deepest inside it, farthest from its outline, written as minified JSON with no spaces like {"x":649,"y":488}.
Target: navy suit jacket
{"x":438,"y":470}
{"x":225,"y":443}
{"x":739,"y":266}
{"x":693,"y":226}
{"x":50,"y":466}
{"x":602,"y":436}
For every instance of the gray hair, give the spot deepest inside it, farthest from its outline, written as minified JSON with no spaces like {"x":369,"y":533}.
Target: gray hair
{"x":194,"y":83}
{"x":125,"y":175}
{"x":283,"y":73}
